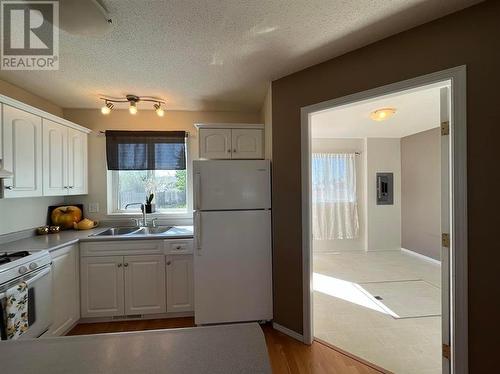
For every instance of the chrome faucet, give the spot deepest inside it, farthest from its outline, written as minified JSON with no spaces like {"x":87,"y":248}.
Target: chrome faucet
{"x":143,"y":210}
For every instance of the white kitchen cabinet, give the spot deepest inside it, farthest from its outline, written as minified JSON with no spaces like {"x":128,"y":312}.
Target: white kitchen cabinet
{"x":55,"y":158}
{"x":247,"y":144}
{"x":215,"y":143}
{"x":66,"y":290}
{"x":144,"y":284}
{"x":231,"y":141}
{"x":180,"y":290}
{"x":102,"y":286}
{"x":64,"y":160}
{"x":22,"y":152}
{"x":77,"y":162}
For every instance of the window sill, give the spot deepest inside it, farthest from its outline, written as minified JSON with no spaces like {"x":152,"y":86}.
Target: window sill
{"x":171,"y":219}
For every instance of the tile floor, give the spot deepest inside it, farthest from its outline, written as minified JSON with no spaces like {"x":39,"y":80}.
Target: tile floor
{"x":348,"y":317}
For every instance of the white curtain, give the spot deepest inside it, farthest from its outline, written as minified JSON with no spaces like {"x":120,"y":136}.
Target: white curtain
{"x":335,"y":206}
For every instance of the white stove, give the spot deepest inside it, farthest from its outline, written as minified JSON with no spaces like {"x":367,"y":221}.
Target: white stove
{"x":34,"y":268}
{"x":20,"y":263}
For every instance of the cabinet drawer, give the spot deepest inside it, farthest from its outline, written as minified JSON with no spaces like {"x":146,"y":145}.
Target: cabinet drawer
{"x":181,"y":246}
{"x":121,"y":247}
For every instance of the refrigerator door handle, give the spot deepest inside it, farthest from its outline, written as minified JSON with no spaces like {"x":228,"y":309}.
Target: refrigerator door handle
{"x":198,"y":232}
{"x":197,"y":190}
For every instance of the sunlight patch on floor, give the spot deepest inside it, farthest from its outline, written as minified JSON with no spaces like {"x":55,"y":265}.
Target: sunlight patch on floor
{"x":347,"y":291}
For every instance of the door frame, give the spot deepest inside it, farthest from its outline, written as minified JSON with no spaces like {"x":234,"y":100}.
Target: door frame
{"x":458,"y":188}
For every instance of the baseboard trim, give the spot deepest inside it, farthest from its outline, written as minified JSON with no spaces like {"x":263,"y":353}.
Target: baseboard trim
{"x":136,"y":318}
{"x":288,"y":332}
{"x":421,"y":256}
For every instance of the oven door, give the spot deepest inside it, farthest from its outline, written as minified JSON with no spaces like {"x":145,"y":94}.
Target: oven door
{"x":39,"y":300}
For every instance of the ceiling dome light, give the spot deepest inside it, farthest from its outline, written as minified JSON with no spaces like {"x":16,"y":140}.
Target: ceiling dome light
{"x":106,"y":109}
{"x":382,"y":114}
{"x":159,"y":110}
{"x":132,"y":107}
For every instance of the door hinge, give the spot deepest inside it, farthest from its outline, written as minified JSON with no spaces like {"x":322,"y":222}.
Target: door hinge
{"x":445,"y":240}
{"x":445,"y":128}
{"x":446,"y":351}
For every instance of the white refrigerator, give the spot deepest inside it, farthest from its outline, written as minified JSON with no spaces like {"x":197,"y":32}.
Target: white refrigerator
{"x":232,"y":226}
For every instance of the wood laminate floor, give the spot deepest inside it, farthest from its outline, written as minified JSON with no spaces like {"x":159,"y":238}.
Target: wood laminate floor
{"x":287,"y":355}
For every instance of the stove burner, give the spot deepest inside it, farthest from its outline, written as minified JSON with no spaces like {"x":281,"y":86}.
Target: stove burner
{"x":8,"y":257}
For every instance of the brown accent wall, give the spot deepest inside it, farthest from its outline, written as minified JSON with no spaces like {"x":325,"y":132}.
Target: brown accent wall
{"x":470,"y":37}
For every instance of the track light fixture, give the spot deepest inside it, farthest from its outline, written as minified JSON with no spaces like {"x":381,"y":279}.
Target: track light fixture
{"x":132,"y":101}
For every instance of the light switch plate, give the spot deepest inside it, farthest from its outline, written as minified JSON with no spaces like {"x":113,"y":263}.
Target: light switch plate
{"x":93,"y":207}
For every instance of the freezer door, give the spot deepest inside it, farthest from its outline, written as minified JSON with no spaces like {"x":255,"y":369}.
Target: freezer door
{"x":232,"y":184}
{"x":232,"y":267}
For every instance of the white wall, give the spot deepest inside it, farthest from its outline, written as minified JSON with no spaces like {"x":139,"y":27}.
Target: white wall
{"x":144,"y":120}
{"x":383,"y":221}
{"x":346,"y":146}
{"x":421,"y":193}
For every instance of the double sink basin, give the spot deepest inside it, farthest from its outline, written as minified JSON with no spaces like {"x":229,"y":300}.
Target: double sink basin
{"x":134,"y":231}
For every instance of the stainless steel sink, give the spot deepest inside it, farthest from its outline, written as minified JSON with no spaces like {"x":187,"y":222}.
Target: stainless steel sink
{"x":152,"y":230}
{"x":115,"y":231}
{"x":134,"y":231}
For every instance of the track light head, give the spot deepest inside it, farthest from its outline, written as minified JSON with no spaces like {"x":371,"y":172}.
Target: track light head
{"x":106,"y":109}
{"x":159,"y":110}
{"x":132,"y":107}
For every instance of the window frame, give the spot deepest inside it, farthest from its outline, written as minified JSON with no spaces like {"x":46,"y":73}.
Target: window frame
{"x":112,"y":195}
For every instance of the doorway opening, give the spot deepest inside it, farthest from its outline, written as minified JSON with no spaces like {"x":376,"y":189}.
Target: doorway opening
{"x":384,"y":202}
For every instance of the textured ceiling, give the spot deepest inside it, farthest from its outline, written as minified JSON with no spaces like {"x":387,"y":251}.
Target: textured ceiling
{"x":416,"y":111}
{"x":218,"y":54}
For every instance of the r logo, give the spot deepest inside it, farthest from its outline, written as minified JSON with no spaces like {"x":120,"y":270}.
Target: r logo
{"x":30,"y":35}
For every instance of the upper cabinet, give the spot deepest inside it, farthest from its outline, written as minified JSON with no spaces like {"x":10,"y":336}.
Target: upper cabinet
{"x":46,"y":154}
{"x":22,"y":152}
{"x":64,"y":160}
{"x":231,"y":141}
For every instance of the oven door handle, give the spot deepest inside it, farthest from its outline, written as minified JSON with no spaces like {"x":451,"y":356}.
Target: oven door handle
{"x":42,"y":273}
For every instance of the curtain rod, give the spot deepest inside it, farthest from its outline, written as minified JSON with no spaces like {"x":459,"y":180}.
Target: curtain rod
{"x":103,"y":133}
{"x":339,"y":153}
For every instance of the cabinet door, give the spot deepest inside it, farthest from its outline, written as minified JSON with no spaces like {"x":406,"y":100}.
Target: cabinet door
{"x":55,"y":158}
{"x":247,"y":144}
{"x":102,"y":288}
{"x":22,"y":140}
{"x":215,"y":143}
{"x":66,"y":290}
{"x":180,"y":283}
{"x":77,"y":162}
{"x":144,"y":284}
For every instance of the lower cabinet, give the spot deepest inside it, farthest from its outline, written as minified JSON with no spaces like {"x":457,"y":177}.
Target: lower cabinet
{"x":144,"y":284}
{"x":180,"y":291}
{"x":66,"y":298}
{"x":122,"y":285}
{"x":102,"y":286}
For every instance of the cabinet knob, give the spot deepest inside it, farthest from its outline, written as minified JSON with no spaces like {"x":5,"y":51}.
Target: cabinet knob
{"x":125,"y":264}
{"x":228,"y":151}
{"x":8,"y":187}
{"x":70,"y":186}
{"x":119,"y":265}
{"x":234,"y":150}
{"x":169,"y":262}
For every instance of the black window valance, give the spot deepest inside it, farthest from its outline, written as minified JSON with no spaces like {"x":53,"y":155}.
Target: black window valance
{"x":146,"y":150}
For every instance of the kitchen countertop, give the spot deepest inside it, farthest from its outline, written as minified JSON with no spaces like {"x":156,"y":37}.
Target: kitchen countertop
{"x":239,"y":348}
{"x":51,"y":242}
